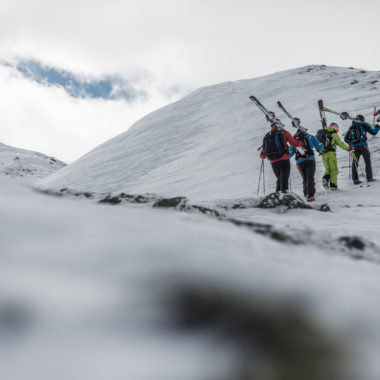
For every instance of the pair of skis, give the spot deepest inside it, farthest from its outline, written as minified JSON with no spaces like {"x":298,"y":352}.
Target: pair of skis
{"x":271,"y":117}
{"x":342,"y":115}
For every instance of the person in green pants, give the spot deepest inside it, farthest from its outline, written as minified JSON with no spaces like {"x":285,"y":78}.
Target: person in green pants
{"x":332,"y":140}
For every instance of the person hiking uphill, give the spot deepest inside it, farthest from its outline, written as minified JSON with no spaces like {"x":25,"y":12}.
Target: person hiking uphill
{"x":356,"y":136}
{"x":276,"y":149}
{"x":306,"y":162}
{"x":330,"y":141}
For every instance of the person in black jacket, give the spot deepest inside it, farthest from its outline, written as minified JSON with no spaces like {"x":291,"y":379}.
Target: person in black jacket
{"x":356,"y":136}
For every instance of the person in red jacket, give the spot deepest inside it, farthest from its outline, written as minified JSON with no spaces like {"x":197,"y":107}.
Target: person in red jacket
{"x":276,"y":149}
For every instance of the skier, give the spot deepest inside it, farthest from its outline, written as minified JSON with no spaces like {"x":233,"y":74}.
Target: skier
{"x":306,"y":162}
{"x":276,"y":149}
{"x":356,"y":136}
{"x":330,"y":141}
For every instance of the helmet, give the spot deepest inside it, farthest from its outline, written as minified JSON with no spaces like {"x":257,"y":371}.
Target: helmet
{"x":335,"y":126}
{"x":359,"y":118}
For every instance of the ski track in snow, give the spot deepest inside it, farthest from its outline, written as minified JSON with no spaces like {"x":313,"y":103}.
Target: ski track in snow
{"x":82,"y":282}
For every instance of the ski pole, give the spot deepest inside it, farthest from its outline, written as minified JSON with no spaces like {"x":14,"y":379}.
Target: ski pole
{"x":349,"y":165}
{"x":263,"y":176}
{"x":374,"y":116}
{"x":356,"y":162}
{"x":261,"y":170}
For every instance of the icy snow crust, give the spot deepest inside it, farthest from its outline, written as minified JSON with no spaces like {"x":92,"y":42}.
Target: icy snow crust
{"x":85,"y":288}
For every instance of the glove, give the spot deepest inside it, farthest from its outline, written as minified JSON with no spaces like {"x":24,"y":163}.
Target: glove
{"x":378,"y":120}
{"x":344,"y":115}
{"x":301,"y":150}
{"x":350,"y":149}
{"x":376,"y":113}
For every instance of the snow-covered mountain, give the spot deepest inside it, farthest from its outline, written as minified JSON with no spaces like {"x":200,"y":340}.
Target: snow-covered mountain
{"x":213,"y":287}
{"x":25,"y":164}
{"x":204,"y":146}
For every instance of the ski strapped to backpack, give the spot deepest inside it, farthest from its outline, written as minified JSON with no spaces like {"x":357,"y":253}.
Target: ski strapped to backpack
{"x":322,"y":114}
{"x":323,"y":109}
{"x":270,"y":116}
{"x":323,"y":135}
{"x":342,"y":115}
{"x":296,"y":122}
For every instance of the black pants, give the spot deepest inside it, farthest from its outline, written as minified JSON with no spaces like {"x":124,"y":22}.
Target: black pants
{"x":362,"y":151}
{"x":281,"y":170}
{"x":307,"y":170}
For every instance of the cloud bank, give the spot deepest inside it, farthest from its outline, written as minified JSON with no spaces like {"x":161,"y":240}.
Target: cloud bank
{"x":53,"y":119}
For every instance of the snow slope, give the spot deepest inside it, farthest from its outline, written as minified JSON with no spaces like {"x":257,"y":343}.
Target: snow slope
{"x":86,"y":289}
{"x":204,"y":146}
{"x":26,"y":165}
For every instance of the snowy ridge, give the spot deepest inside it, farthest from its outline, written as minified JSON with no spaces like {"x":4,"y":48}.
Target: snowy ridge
{"x":25,"y":164}
{"x":204,"y":146}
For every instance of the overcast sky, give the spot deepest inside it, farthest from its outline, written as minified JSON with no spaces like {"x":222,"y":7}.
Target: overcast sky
{"x":157,"y":50}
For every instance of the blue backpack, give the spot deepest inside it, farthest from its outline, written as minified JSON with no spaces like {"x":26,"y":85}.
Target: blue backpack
{"x":355,"y":134}
{"x":273,"y":144}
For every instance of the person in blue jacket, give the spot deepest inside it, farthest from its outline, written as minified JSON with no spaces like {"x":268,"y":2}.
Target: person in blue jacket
{"x":356,"y":136}
{"x":306,"y":161}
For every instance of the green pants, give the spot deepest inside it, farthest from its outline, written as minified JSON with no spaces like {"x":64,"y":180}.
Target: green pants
{"x":331,"y":165}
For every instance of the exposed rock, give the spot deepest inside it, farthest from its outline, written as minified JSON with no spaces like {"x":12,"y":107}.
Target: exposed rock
{"x":112,"y":200}
{"x":353,"y":242}
{"x":325,"y":208}
{"x":170,"y":202}
{"x":15,"y":318}
{"x":265,"y":229}
{"x":115,"y":199}
{"x":287,"y":200}
{"x":272,"y":338}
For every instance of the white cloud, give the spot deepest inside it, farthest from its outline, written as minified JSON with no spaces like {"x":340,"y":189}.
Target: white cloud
{"x":48,"y":120}
{"x":165,"y":44}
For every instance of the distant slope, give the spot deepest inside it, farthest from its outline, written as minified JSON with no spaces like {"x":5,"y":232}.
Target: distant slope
{"x":205,"y":145}
{"x":25,"y":164}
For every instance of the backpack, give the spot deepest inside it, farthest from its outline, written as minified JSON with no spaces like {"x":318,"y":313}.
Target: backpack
{"x":325,"y":137}
{"x":273,"y":144}
{"x":306,"y":147}
{"x":355,"y":134}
